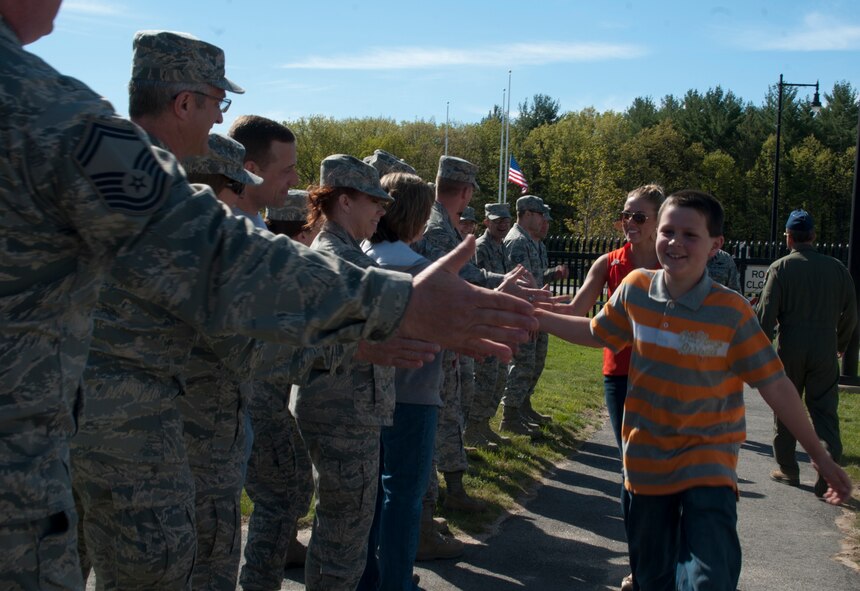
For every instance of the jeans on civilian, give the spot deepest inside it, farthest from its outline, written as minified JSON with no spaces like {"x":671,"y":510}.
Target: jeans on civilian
{"x":405,"y":462}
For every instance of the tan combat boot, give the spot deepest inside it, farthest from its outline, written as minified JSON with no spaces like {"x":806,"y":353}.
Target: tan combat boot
{"x":433,"y":545}
{"x":478,"y":435}
{"x":513,"y":422}
{"x":532,"y":415}
{"x":457,"y":498}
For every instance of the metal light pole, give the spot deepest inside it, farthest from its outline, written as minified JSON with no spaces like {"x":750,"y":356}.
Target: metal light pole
{"x":849,"y":359}
{"x":816,"y":107}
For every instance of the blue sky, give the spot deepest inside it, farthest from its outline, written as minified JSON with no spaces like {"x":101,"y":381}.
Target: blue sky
{"x":407,"y":61}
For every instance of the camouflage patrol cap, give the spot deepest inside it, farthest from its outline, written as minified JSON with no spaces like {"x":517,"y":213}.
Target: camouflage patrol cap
{"x":226,"y":157}
{"x":385,"y":162}
{"x":295,"y":209}
{"x":457,"y":169}
{"x":468,"y":215}
{"x":530,"y":203}
{"x":169,"y":56}
{"x":497,"y":211}
{"x":342,"y":170}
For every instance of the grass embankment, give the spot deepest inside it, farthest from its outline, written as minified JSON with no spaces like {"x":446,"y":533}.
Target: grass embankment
{"x":571,"y":391}
{"x":849,"y":426}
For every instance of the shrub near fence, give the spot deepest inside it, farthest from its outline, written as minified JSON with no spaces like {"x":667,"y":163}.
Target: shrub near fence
{"x":751,"y":257}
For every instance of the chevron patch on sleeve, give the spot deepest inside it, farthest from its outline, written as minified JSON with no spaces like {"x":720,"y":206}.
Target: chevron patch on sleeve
{"x":121,"y":167}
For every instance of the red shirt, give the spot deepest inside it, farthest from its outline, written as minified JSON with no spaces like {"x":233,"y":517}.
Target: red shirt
{"x":619,"y":266}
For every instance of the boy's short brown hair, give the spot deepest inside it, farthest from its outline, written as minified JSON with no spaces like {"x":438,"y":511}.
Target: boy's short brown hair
{"x":705,"y":203}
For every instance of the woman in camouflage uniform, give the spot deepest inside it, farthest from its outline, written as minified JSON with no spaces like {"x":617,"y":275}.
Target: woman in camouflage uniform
{"x":341,"y":410}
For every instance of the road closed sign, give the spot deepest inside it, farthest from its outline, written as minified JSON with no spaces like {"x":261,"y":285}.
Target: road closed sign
{"x":754,"y":278}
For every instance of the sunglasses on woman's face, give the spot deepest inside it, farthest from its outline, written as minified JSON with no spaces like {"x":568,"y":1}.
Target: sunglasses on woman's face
{"x":637,"y":217}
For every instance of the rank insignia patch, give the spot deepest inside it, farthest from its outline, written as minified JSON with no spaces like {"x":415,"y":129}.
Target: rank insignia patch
{"x":122,"y":167}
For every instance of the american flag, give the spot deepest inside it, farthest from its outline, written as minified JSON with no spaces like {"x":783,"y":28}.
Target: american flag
{"x":515,"y":175}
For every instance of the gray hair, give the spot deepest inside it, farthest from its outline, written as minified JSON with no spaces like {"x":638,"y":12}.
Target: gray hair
{"x":152,"y":97}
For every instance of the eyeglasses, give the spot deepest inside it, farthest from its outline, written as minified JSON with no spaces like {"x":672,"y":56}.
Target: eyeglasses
{"x":236,"y":187}
{"x":223,"y":103}
{"x":637,"y":217}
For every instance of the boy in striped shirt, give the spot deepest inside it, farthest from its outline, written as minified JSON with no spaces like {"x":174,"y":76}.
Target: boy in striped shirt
{"x":694,"y":345}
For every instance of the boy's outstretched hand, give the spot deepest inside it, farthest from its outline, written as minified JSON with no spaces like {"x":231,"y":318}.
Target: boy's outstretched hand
{"x":838,"y":481}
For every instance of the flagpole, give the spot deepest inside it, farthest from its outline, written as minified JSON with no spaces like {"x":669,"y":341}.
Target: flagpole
{"x":447,"y":103}
{"x":508,"y":133}
{"x":502,"y":146}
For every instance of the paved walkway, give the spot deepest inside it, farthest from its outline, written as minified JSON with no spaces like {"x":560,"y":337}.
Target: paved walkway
{"x":570,"y":535}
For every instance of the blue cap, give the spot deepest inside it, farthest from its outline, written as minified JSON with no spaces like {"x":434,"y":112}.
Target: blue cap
{"x":799,"y":220}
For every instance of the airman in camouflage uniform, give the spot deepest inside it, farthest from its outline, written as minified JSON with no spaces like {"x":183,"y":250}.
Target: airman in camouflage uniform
{"x":542,"y":341}
{"x":455,"y":183}
{"x":213,"y":410}
{"x":523,"y":248}
{"x":279,"y":479}
{"x":132,"y":436}
{"x":340,"y":413}
{"x":468,"y":222}
{"x":466,"y":226}
{"x":490,"y":373}
{"x":722,"y":269}
{"x":467,"y":364}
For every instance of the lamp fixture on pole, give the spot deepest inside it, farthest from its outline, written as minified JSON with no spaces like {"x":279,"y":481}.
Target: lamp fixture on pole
{"x":816,"y":108}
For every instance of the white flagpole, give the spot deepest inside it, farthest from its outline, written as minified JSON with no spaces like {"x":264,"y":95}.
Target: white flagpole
{"x":447,"y":103}
{"x":502,"y":147}
{"x":508,"y":133}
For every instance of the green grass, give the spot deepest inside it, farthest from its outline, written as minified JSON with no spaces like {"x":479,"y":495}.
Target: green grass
{"x":571,"y":390}
{"x":849,"y":427}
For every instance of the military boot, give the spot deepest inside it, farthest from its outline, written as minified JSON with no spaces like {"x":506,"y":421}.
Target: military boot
{"x":513,"y":422}
{"x":440,"y":524}
{"x":457,"y":498}
{"x":478,"y":434}
{"x":532,"y":415}
{"x":433,"y":545}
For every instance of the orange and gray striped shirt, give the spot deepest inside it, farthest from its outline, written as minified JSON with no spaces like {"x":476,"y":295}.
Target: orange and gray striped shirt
{"x":684,"y":413}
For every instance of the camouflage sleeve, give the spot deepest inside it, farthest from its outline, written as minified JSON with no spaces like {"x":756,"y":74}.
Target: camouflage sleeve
{"x":518,"y":253}
{"x":185,"y":252}
{"x":434,"y":245}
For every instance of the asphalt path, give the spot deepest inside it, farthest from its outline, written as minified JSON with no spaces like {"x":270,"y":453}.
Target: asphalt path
{"x":569,"y":534}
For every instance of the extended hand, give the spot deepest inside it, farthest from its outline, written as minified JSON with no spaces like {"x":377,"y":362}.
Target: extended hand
{"x":520,"y":283}
{"x":460,"y":317}
{"x":397,"y":352}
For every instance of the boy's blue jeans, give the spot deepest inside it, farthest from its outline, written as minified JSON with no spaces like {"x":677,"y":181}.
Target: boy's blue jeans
{"x":406,"y":458}
{"x":687,"y":541}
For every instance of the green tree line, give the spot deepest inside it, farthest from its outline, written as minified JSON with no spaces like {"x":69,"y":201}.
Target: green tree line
{"x":583,"y":162}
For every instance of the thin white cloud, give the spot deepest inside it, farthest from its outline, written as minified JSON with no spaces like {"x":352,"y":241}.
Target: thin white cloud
{"x":518,"y":54}
{"x":817,"y":32}
{"x":94,"y":8}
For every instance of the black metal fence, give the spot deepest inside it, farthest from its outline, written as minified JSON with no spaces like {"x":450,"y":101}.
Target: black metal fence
{"x":751,"y":257}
